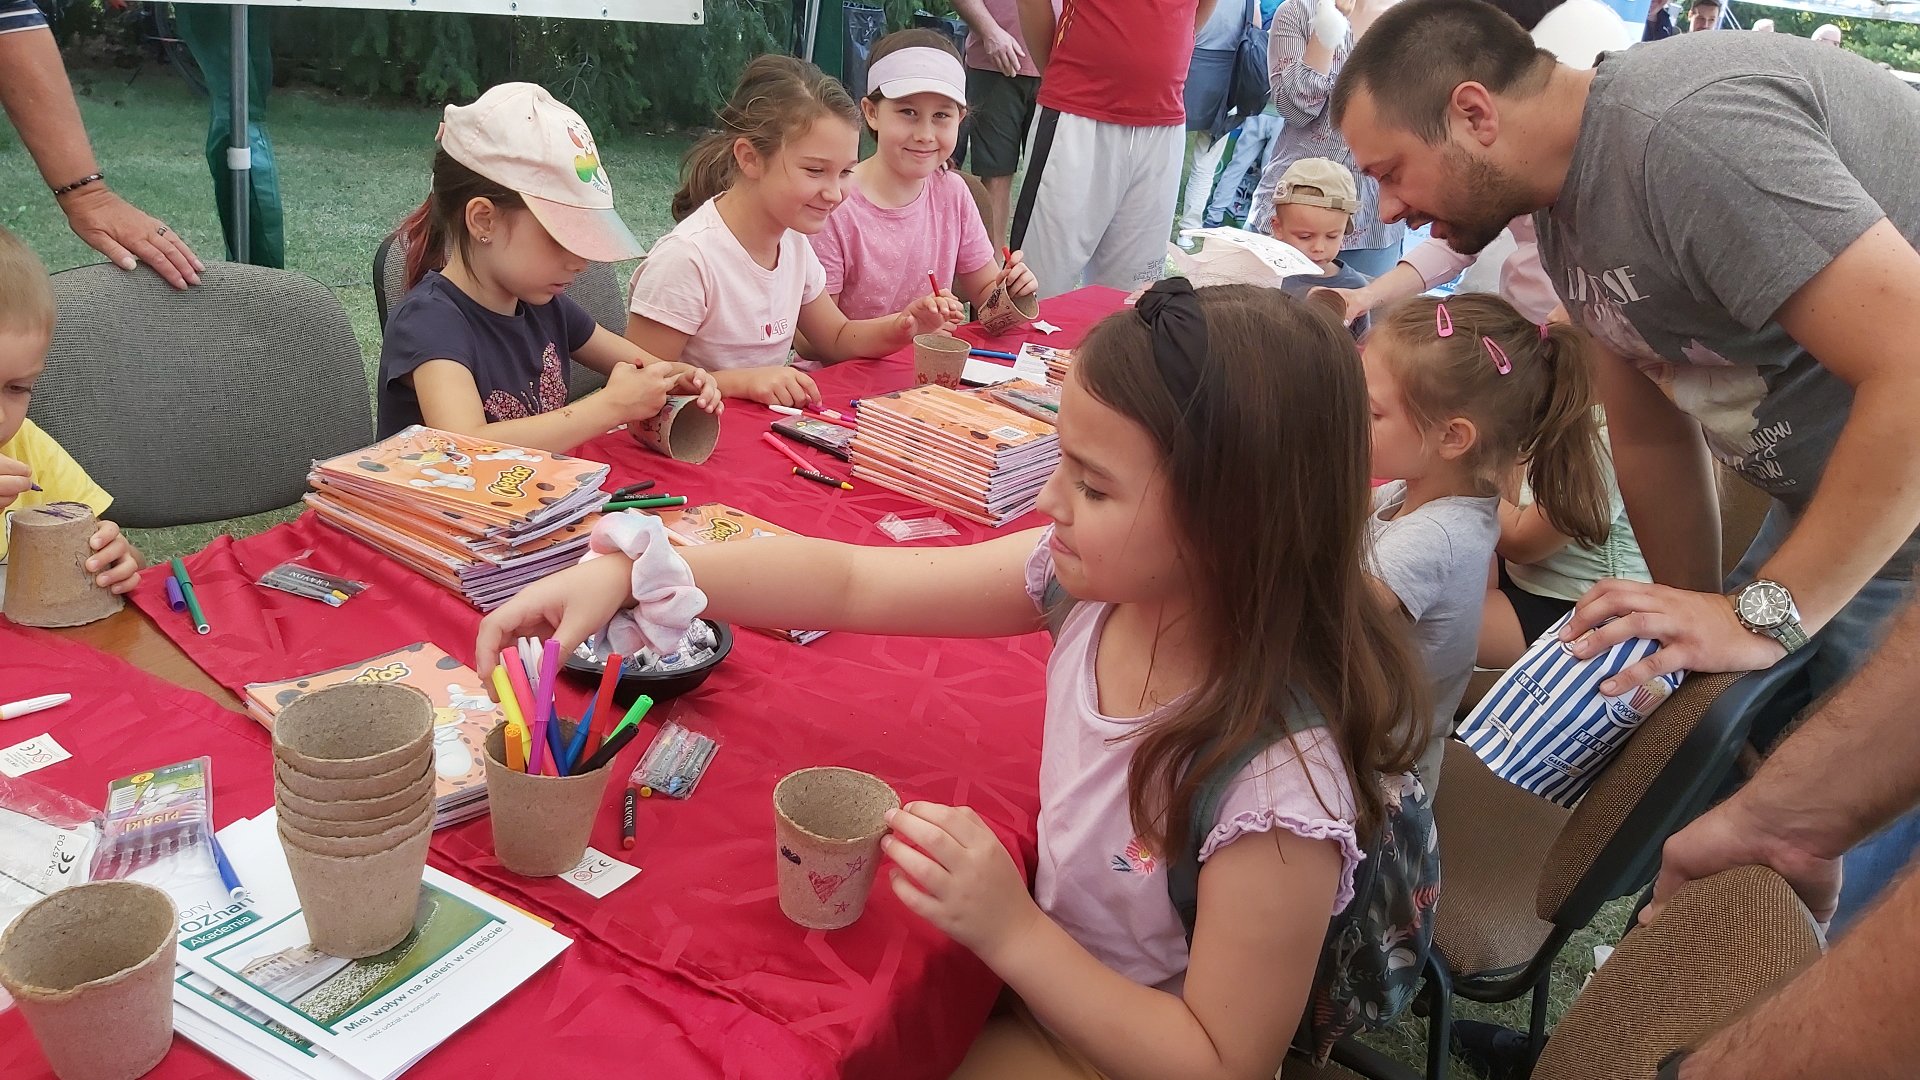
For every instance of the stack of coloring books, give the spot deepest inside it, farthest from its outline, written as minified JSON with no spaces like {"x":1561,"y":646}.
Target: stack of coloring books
{"x":483,"y":519}
{"x":958,"y":451}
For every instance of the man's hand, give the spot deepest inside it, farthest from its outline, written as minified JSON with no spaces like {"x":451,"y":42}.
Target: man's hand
{"x":1004,"y":50}
{"x":1357,"y":301}
{"x":120,"y":231}
{"x":1696,"y":631}
{"x":1748,"y":830}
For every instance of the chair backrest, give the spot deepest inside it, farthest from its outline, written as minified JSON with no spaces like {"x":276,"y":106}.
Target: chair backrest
{"x":1661,"y":779}
{"x":597,"y":289}
{"x":1719,"y":944}
{"x":205,"y":404}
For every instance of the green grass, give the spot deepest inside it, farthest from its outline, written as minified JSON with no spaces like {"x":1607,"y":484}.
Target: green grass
{"x":348,"y":172}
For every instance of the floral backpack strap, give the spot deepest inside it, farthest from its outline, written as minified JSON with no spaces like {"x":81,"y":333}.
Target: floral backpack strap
{"x":1183,"y":870}
{"x":1058,"y":604}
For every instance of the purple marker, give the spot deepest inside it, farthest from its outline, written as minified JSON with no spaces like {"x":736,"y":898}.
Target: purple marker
{"x":176,"y":600}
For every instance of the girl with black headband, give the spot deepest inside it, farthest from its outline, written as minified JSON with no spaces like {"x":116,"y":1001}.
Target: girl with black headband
{"x":1203,"y":580}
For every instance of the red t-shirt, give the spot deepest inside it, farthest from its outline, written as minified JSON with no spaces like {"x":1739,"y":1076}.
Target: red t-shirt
{"x":1121,"y":61}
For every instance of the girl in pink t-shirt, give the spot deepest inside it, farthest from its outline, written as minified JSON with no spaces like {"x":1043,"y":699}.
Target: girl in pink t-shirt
{"x":729,"y":286}
{"x":1220,"y":607}
{"x":906,"y":214}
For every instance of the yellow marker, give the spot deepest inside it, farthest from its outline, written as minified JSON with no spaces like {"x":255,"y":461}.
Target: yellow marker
{"x":516,"y":725}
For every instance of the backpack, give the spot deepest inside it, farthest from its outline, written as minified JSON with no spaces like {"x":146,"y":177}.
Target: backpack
{"x":1377,"y":947}
{"x":1249,"y":92}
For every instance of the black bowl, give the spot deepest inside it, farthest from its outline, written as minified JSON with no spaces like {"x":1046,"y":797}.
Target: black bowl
{"x":658,"y":685}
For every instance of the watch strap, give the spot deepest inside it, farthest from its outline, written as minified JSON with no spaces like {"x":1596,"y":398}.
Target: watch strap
{"x":1788,"y":632}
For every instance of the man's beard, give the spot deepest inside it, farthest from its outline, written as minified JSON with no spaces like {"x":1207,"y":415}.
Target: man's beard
{"x":1487,"y":199}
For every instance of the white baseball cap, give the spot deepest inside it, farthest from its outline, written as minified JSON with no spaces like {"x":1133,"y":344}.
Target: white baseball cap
{"x":518,"y":136}
{"x":919,"y":70}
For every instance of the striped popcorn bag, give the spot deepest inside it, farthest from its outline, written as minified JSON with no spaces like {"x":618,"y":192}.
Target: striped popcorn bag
{"x":1546,"y":727}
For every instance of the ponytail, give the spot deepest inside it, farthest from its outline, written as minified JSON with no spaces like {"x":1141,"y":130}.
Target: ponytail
{"x":1539,"y":409}
{"x":706,"y":171}
{"x":425,"y":246}
{"x":1564,"y":464}
{"x":777,"y":98}
{"x":438,"y":227}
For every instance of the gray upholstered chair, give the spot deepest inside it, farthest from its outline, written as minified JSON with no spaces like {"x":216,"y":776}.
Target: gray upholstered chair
{"x":205,"y":404}
{"x":598,"y":289}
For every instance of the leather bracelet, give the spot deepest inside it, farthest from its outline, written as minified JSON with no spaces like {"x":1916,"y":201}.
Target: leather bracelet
{"x":78,"y":184}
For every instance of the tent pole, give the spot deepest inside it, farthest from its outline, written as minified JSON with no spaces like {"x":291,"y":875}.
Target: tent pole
{"x":239,"y":149}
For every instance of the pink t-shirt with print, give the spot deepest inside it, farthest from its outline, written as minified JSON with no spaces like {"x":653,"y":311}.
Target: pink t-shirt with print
{"x":700,"y":281}
{"x":876,"y":259}
{"x":1095,"y":878}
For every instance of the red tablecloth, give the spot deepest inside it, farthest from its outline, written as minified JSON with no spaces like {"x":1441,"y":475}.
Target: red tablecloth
{"x":690,"y":970}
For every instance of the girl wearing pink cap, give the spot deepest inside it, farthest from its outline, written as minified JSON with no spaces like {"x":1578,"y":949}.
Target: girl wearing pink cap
{"x":483,"y":343}
{"x":734,"y":282}
{"x":906,"y":215}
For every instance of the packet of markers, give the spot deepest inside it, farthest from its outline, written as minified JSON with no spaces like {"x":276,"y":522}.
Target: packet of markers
{"x":525,"y":681}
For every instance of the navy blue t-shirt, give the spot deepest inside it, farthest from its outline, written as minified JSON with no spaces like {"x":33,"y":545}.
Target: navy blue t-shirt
{"x":1343,"y":277}
{"x":519,"y":362}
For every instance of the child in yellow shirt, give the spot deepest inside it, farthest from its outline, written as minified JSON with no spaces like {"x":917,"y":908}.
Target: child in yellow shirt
{"x":34,"y":470}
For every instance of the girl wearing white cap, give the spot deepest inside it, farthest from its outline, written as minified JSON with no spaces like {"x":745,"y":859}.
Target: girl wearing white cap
{"x":730,"y":286}
{"x":483,"y":341}
{"x":906,"y":215}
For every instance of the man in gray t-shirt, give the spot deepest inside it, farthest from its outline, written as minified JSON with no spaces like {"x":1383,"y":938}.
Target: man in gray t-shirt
{"x":1734,"y":217}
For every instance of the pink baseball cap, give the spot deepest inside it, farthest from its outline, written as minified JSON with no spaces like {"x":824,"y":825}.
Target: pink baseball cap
{"x":919,"y":70}
{"x":518,"y":136}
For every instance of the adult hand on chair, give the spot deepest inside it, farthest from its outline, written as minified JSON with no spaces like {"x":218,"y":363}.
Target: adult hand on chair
{"x":1751,"y":829}
{"x":119,"y":230}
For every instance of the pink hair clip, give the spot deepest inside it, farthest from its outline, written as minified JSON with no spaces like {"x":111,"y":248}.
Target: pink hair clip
{"x":1442,"y":321}
{"x":1500,"y":361}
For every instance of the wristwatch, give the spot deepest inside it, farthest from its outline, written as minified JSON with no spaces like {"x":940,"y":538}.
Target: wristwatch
{"x":1766,"y":607}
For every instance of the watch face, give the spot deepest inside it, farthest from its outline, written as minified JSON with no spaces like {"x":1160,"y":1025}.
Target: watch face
{"x":1765,"y":604}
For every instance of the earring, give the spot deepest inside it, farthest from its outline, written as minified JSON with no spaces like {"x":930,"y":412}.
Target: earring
{"x":486,"y":239}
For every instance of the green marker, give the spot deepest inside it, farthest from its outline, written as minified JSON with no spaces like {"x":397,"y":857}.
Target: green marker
{"x":656,"y":502}
{"x":193,"y":602}
{"x":636,"y":713}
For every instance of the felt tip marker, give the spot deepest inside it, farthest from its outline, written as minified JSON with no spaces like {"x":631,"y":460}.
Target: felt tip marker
{"x":16,"y":709}
{"x":228,"y":878}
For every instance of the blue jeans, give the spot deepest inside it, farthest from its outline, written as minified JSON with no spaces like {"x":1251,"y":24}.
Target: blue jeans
{"x":1371,"y":261}
{"x":1250,"y":152}
{"x":1838,"y":650}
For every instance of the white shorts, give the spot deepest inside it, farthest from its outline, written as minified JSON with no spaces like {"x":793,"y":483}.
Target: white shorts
{"x":1098,"y":202}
